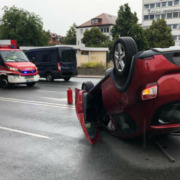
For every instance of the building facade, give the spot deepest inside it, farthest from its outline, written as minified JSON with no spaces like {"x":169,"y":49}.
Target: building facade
{"x":168,"y":9}
{"x":55,"y":38}
{"x":104,"y":21}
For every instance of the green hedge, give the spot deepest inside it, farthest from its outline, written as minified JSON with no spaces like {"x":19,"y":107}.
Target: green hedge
{"x":92,"y":65}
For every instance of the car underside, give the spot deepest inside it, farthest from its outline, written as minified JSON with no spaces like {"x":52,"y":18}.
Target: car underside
{"x":140,"y":95}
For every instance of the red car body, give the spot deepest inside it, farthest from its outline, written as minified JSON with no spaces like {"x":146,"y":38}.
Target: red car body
{"x":158,"y":67}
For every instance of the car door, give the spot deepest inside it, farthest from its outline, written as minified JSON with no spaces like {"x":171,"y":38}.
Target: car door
{"x":90,"y":128}
{"x":39,"y":63}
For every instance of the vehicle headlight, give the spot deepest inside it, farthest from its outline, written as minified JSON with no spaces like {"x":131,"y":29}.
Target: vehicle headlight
{"x":12,"y":69}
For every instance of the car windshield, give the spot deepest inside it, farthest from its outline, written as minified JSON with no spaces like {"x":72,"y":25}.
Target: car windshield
{"x":13,"y":56}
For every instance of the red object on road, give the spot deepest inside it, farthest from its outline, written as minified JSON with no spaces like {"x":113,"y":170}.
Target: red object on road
{"x":69,"y":96}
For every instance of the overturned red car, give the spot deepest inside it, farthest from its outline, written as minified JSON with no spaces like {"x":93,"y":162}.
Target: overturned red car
{"x":139,"y":96}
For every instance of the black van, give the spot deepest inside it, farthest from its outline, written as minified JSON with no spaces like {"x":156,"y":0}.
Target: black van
{"x":54,"y":62}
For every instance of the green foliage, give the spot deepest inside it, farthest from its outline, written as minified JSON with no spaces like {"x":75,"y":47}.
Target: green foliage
{"x":127,"y":25}
{"x":23,"y":26}
{"x":92,"y":65}
{"x":159,"y":34}
{"x":110,"y":64}
{"x":94,"y":37}
{"x":70,"y":35}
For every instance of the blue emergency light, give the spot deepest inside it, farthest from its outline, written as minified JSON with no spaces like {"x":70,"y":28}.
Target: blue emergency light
{"x":12,"y":46}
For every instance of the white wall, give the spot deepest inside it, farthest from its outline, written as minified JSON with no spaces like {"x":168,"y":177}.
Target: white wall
{"x":162,"y":10}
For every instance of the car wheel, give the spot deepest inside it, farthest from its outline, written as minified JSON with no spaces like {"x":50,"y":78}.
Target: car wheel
{"x":87,"y":86}
{"x":124,"y":49}
{"x":67,"y":79}
{"x":4,"y":82}
{"x":30,"y":84}
{"x":49,"y":77}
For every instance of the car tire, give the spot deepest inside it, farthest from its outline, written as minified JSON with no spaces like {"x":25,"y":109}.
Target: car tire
{"x":30,"y":84}
{"x":49,"y":77}
{"x":67,"y":79}
{"x":4,"y":82}
{"x":87,"y":86}
{"x":124,"y":49}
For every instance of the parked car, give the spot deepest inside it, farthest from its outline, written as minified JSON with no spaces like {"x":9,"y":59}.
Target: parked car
{"x":15,"y":68}
{"x":54,"y":62}
{"x":139,"y":96}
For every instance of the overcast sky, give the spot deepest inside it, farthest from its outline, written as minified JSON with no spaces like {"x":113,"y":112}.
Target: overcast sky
{"x":59,"y":15}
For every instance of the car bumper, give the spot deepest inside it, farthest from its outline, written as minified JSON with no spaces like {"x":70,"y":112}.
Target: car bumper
{"x":14,"y":79}
{"x":68,"y":73}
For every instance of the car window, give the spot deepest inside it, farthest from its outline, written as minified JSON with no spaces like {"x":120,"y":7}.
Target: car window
{"x":68,"y":56}
{"x":14,"y":56}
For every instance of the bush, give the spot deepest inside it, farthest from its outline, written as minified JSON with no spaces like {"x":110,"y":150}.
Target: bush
{"x":92,"y":65}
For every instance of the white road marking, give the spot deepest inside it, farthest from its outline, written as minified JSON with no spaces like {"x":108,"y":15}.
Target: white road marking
{"x":37,"y":103}
{"x":57,"y":99}
{"x":23,"y":132}
{"x":51,"y":91}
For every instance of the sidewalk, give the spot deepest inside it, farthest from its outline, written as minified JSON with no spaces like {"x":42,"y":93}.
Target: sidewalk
{"x":89,"y":76}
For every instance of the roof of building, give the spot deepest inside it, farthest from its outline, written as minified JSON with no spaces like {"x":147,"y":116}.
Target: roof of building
{"x":77,"y":47}
{"x":53,"y":35}
{"x":106,"y":19}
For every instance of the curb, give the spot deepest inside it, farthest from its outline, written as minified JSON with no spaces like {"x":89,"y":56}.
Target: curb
{"x":88,"y":76}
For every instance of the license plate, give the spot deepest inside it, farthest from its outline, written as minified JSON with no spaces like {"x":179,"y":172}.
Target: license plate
{"x":30,"y":80}
{"x":29,"y":77}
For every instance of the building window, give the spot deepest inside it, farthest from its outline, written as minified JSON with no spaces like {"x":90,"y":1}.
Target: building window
{"x":152,"y":6}
{"x":102,"y":30}
{"x":146,"y":6}
{"x":169,"y":15}
{"x":94,"y":21}
{"x":163,"y":16}
{"x":169,"y":26}
{"x":157,"y":16}
{"x":179,"y":37}
{"x":84,"y":52}
{"x":146,"y":17}
{"x":164,"y":4}
{"x":151,"y":16}
{"x":81,"y":31}
{"x":175,"y":38}
{"x":175,"y":26}
{"x":170,"y":3}
{"x":175,"y":14}
{"x":176,"y":2}
{"x":107,"y":29}
{"x":158,"y":4}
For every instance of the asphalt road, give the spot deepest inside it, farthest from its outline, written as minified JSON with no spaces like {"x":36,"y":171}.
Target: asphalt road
{"x":41,"y":139}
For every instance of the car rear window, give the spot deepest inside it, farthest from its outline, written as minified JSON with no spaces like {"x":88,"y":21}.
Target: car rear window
{"x":68,"y":56}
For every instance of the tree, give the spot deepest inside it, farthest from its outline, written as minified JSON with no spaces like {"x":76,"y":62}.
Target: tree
{"x":70,"y":35}
{"x":159,"y":34}
{"x":127,"y":25}
{"x":94,"y":37}
{"x":25,"y":27}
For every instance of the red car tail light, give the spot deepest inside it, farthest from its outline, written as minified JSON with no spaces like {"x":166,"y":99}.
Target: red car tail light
{"x":59,"y":67}
{"x":149,"y":92}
